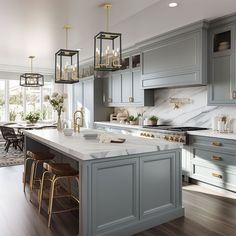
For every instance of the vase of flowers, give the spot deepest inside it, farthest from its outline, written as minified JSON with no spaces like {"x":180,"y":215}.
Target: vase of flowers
{"x":32,"y":117}
{"x":57,"y":102}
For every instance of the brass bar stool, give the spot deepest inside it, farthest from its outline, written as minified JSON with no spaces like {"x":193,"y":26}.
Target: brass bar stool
{"x":36,"y":158}
{"x":58,"y":171}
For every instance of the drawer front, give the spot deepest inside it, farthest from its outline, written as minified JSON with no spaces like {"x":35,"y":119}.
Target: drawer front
{"x":213,"y":158}
{"x":217,"y":144}
{"x":216,"y":176}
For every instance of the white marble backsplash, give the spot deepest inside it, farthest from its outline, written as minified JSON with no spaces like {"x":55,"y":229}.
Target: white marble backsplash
{"x":197,"y":113}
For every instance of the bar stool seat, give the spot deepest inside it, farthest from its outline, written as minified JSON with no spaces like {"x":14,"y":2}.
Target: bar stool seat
{"x":58,"y":171}
{"x":36,"y":158}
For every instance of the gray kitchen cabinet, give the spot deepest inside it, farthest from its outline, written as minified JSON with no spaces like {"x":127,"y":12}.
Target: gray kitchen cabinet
{"x":213,"y":161}
{"x":222,"y":80}
{"x":123,"y":88}
{"x":177,"y":58}
{"x":116,"y":88}
{"x":126,"y":87}
{"x":88,"y":97}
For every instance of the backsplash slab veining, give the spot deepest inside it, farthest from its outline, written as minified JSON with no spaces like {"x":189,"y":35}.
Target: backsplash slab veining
{"x":196,"y":113}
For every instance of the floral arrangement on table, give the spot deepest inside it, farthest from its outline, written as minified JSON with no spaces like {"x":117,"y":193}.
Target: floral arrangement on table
{"x":57,"y":102}
{"x":32,"y":117}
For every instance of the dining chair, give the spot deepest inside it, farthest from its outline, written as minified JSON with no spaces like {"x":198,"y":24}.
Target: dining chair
{"x":11,"y":137}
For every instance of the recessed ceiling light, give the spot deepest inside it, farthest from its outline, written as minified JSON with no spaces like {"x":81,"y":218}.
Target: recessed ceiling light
{"x":173,"y":4}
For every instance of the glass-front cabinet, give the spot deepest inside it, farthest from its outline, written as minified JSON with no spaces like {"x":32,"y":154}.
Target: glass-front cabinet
{"x":124,"y":88}
{"x":222,"y":81}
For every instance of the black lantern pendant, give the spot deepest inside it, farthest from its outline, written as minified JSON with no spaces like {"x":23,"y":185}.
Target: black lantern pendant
{"x":31,"y":79}
{"x":107,"y":48}
{"x":67,"y":64}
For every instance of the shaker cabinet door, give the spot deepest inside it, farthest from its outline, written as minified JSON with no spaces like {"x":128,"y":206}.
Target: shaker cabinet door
{"x":116,"y":88}
{"x":127,"y":87}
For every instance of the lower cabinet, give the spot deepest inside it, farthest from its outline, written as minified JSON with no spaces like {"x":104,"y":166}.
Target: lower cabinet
{"x":213,"y":161}
{"x":129,"y":193}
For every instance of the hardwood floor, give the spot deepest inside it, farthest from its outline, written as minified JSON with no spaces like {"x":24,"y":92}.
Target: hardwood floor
{"x":207,"y":213}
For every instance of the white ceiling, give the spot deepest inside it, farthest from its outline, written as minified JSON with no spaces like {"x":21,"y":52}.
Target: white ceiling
{"x":34,"y":27}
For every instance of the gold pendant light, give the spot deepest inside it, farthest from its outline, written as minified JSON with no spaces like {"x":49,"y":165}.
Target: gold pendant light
{"x":31,"y":79}
{"x":67,"y":63}
{"x":107,"y":48}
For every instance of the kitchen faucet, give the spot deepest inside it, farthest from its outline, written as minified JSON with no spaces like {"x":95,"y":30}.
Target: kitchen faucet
{"x":76,"y":124}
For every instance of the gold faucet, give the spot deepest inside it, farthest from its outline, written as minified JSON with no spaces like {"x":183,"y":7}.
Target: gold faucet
{"x":76,"y":125}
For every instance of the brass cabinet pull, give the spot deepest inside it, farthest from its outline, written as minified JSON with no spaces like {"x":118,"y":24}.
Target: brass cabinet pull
{"x":130,"y":99}
{"x":217,"y":175}
{"x":216,"y":158}
{"x":234,"y":94}
{"x":215,"y":143}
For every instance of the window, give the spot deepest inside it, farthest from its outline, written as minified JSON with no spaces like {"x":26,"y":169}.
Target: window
{"x":16,"y":100}
{"x":2,"y":101}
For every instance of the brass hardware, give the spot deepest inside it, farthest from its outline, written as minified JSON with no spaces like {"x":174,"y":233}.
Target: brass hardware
{"x":131,"y":99}
{"x":217,"y":175}
{"x":81,"y":118}
{"x":215,"y":143}
{"x":216,"y":158}
{"x":234,"y":94}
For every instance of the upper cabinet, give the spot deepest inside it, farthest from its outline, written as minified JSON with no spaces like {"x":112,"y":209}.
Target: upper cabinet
{"x":222,"y":80}
{"x":123,"y":87}
{"x":178,"y":58}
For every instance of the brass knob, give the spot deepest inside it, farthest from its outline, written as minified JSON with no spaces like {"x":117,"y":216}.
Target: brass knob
{"x":166,"y":137}
{"x":176,"y":139}
{"x":152,"y":136}
{"x":148,"y":135}
{"x":171,"y":138}
{"x":181,"y":140}
{"x":216,"y":143}
{"x":216,"y":158}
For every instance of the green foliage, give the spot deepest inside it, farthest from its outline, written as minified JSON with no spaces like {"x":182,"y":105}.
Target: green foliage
{"x":153,"y":118}
{"x":132,"y":118}
{"x":32,"y":117}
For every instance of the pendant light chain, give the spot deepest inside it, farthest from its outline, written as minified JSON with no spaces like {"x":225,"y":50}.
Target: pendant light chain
{"x":31,"y":63}
{"x":107,"y":19}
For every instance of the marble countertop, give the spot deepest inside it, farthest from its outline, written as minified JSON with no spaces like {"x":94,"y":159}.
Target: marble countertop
{"x":213,"y":134}
{"x":82,"y":149}
{"x":116,"y":124}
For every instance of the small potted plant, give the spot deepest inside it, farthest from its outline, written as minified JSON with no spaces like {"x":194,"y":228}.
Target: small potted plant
{"x":32,"y":117}
{"x":132,"y":120}
{"x":153,"y":120}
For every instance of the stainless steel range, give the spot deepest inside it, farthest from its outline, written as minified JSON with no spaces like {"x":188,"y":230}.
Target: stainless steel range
{"x":168,"y":133}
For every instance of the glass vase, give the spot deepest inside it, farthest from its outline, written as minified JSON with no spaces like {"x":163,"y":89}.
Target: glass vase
{"x":59,"y":123}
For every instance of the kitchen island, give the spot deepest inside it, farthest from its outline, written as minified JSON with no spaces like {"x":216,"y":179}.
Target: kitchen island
{"x":124,"y":188}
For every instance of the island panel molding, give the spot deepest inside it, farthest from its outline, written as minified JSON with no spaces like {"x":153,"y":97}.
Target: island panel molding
{"x":112,"y":181}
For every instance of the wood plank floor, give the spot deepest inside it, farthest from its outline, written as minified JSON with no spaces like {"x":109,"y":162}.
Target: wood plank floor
{"x":207,"y":213}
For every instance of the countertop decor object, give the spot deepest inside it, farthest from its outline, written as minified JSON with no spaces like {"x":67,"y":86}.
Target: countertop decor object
{"x":107,"y":48}
{"x":31,"y":79}
{"x":57,"y":102}
{"x":67,"y":63}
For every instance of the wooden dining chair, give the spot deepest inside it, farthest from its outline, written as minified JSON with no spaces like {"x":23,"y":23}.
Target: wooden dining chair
{"x":11,"y":137}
